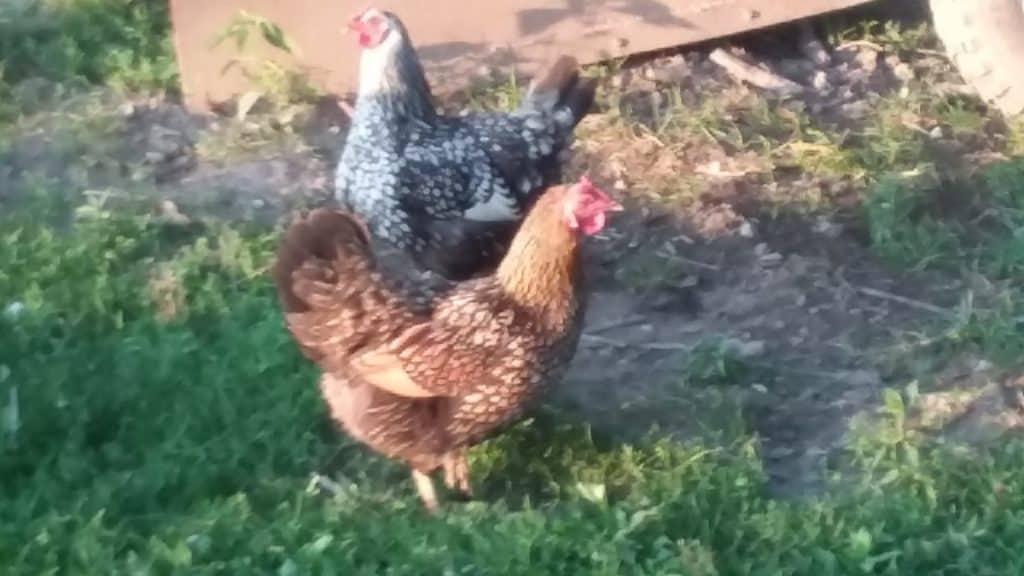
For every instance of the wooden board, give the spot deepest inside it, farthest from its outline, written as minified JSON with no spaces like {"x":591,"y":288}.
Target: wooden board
{"x":456,"y":39}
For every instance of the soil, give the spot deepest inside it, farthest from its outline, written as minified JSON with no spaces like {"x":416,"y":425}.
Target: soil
{"x":808,"y":314}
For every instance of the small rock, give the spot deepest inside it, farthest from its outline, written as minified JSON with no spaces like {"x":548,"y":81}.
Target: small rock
{"x":169,"y":211}
{"x":855,"y":110}
{"x":795,"y":67}
{"x":670,"y":71}
{"x":837,"y":74}
{"x":181,"y":162}
{"x":746,"y":350}
{"x":746,"y":229}
{"x":826,"y":227}
{"x":820,"y":81}
{"x":868,"y":378}
{"x":867,"y":59}
{"x":619,"y":184}
{"x":759,"y":388}
{"x":259,"y":203}
{"x":165,"y":141}
{"x":936,"y":133}
{"x":761,"y":249}
{"x":771,"y":258}
{"x":14,"y":310}
{"x":903,"y":72}
{"x":812,"y":47}
{"x":127,"y":109}
{"x":780,"y":452}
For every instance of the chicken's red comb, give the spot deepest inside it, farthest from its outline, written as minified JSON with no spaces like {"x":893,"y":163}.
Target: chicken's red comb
{"x":587,"y":186}
{"x":358,"y":15}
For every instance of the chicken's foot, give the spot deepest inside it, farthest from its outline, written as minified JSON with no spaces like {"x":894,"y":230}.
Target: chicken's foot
{"x":425,"y":488}
{"x":456,"y":472}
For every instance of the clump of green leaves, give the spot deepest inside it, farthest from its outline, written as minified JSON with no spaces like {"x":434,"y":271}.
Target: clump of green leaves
{"x":122,"y":43}
{"x":280,"y":85}
{"x":713,"y":362}
{"x":267,"y":114}
{"x":901,"y":229}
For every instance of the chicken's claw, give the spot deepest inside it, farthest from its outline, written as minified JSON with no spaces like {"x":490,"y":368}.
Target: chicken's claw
{"x":425,"y":488}
{"x":456,"y":473}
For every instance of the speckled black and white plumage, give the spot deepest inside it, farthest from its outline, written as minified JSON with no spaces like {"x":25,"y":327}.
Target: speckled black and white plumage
{"x":451,"y":190}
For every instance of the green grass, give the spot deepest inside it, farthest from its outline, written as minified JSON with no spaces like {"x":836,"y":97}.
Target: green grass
{"x":966,"y":225}
{"x":139,"y":439}
{"x":156,"y":418}
{"x":124,"y":43}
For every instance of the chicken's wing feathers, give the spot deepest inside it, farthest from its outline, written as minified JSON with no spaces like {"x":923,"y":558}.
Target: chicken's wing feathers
{"x":385,"y":371}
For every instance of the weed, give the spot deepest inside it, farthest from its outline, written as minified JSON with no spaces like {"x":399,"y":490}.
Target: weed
{"x":714,"y":362}
{"x":901,"y":233}
{"x":266,"y":116}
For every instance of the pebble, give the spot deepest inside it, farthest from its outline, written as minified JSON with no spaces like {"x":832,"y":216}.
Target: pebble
{"x":746,"y":350}
{"x":169,"y":211}
{"x":669,"y":71}
{"x":867,"y":59}
{"x":14,"y":310}
{"x":826,"y":227}
{"x":903,"y":72}
{"x":820,"y":81}
{"x":746,"y":229}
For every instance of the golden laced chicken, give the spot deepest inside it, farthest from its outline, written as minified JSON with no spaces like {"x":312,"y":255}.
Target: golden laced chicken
{"x":420,"y":377}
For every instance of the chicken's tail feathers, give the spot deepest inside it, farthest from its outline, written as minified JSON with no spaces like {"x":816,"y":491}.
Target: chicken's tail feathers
{"x":314,"y":248}
{"x":560,"y":85}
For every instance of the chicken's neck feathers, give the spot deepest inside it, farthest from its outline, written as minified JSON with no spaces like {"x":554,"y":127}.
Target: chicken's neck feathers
{"x":392,"y":75}
{"x":541,"y":271}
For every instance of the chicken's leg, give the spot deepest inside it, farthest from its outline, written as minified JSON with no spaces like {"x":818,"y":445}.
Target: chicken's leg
{"x":425,"y":488}
{"x":456,"y":472}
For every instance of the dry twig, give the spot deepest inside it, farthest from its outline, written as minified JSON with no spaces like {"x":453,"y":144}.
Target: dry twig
{"x":910,"y":302}
{"x":751,"y":74}
{"x":659,"y":346}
